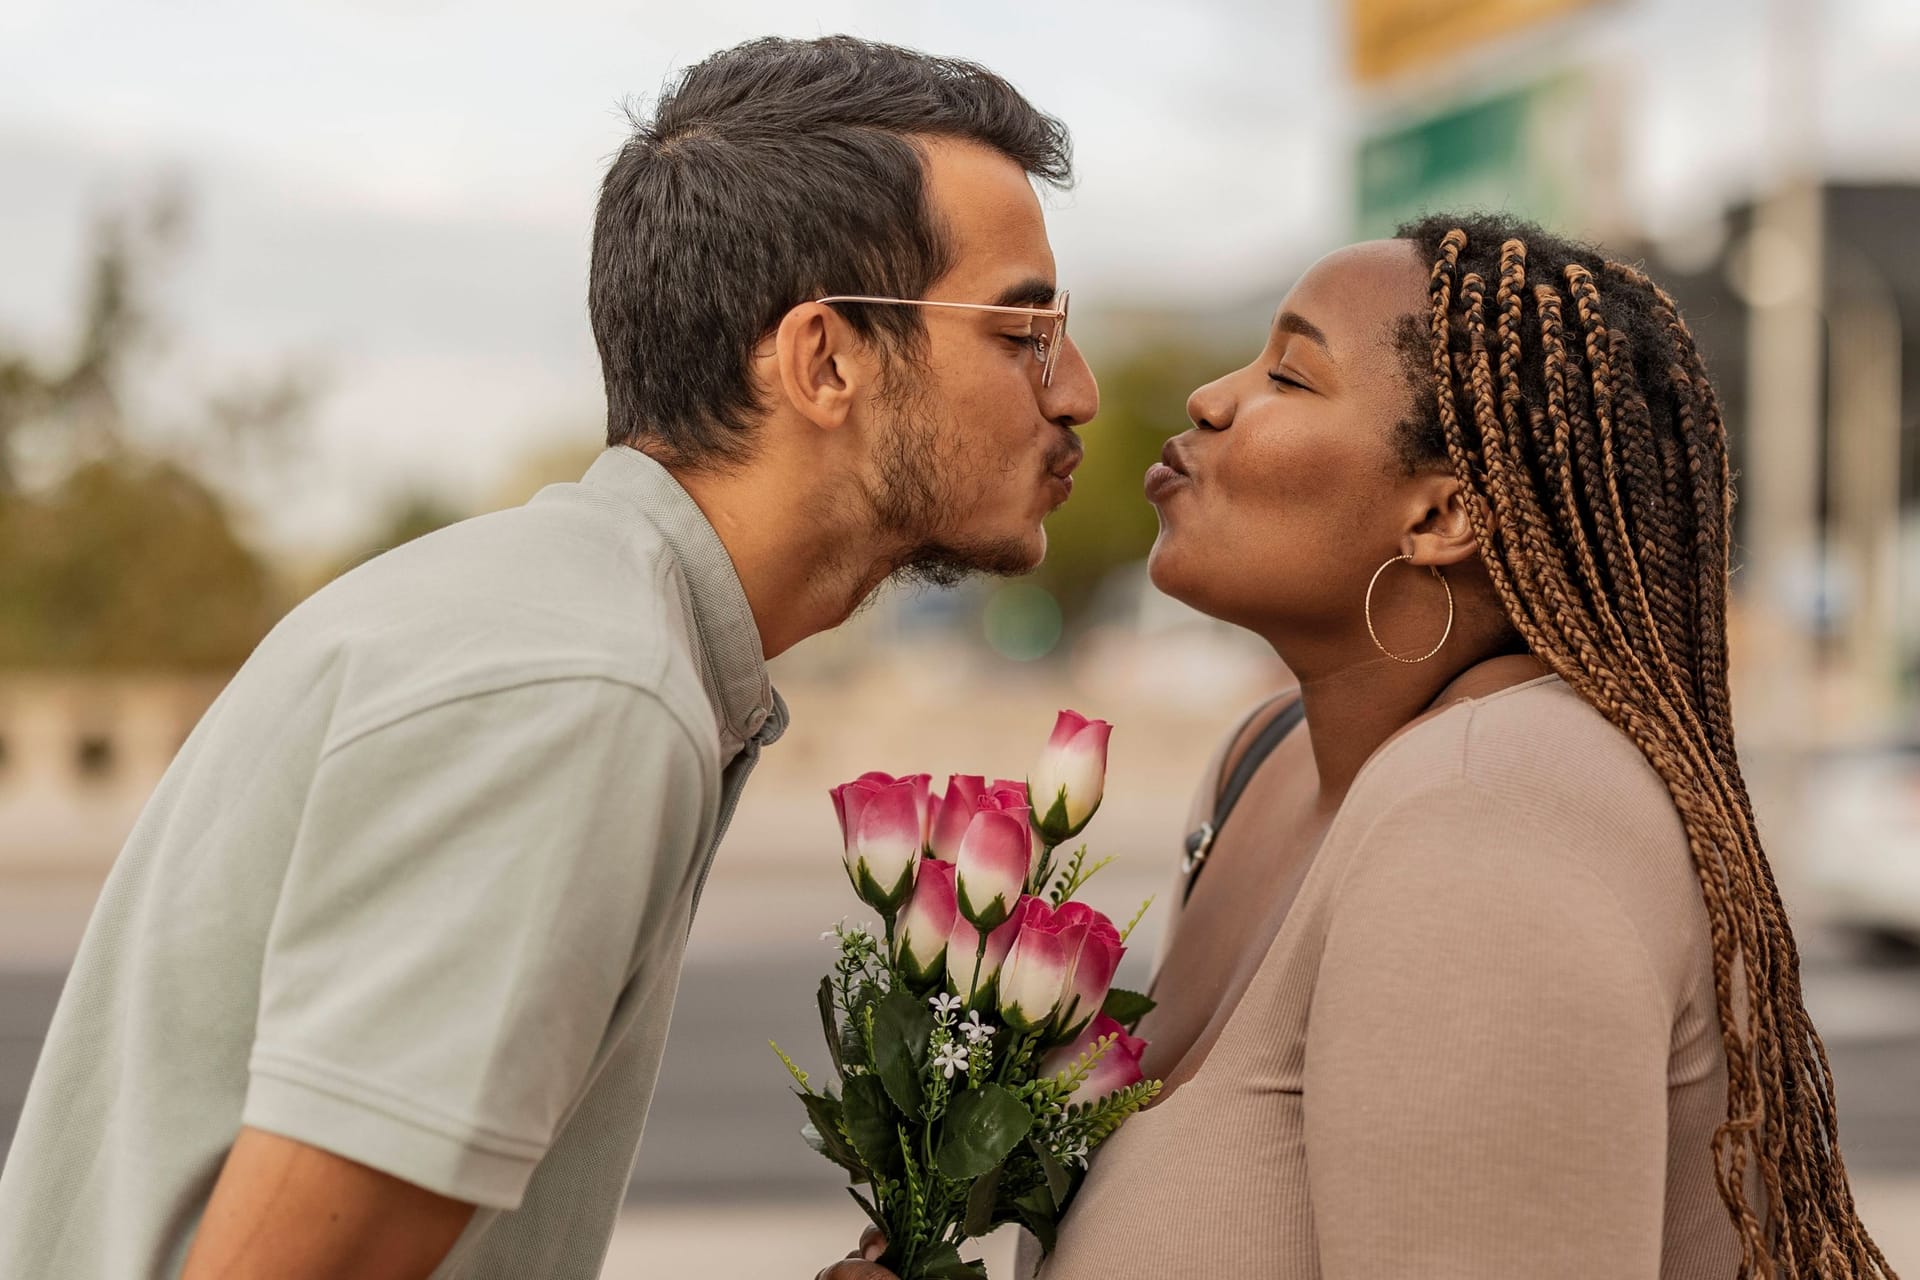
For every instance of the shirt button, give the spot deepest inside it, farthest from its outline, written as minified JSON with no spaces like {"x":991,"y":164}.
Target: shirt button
{"x":755,"y":719}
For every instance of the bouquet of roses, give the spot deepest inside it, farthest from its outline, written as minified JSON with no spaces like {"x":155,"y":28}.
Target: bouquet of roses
{"x":979,"y":1050}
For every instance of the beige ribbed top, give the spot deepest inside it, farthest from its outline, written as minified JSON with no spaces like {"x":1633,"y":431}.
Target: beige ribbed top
{"x":1483,"y":1044}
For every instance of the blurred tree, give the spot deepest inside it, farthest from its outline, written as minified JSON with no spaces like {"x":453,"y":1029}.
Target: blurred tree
{"x":1108,"y":522}
{"x":417,"y":512}
{"x":128,"y":563}
{"x":114,"y":549}
{"x":414,"y":514}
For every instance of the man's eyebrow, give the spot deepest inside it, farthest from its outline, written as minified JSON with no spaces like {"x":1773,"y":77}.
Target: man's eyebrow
{"x":1031,"y":292}
{"x":1289,"y":322}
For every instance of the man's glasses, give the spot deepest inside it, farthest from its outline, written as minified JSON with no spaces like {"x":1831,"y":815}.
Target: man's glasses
{"x":1049,"y":332}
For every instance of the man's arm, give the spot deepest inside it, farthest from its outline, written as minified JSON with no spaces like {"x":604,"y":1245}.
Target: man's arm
{"x":284,"y":1209}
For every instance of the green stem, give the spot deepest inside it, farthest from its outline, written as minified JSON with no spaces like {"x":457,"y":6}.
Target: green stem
{"x":979,"y":958}
{"x":1046,"y":867}
{"x":1016,"y":1054}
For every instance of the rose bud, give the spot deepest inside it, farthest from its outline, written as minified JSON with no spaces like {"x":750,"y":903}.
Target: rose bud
{"x":970,"y":972}
{"x":1092,"y":971}
{"x":1117,"y":1068}
{"x":996,"y":855}
{"x":952,"y":813}
{"x":1034,"y":978}
{"x":1070,"y":777}
{"x":920,"y":945}
{"x":883,"y":821}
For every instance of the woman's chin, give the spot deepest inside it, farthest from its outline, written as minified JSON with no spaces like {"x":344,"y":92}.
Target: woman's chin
{"x":1164,"y":568}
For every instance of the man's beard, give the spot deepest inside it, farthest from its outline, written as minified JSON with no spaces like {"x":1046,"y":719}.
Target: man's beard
{"x":917,"y":501}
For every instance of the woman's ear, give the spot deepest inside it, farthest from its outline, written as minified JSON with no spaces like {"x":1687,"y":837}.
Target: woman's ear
{"x":817,"y":362}
{"x":1439,"y":529}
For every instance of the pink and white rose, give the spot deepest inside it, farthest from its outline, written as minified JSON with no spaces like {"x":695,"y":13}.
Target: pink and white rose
{"x":1092,"y":972}
{"x":920,"y":941}
{"x":1070,"y":777}
{"x":883,"y":824}
{"x":953,"y":811}
{"x":1116,"y":1068}
{"x":996,"y":856}
{"x":973,"y":974}
{"x":1037,"y":970}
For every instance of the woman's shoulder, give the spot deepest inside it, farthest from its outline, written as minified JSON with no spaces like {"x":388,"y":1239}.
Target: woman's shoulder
{"x":1234,"y":744}
{"x":1539,"y":745}
{"x":1532,"y":784}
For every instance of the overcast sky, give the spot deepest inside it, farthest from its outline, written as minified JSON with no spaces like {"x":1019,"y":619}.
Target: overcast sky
{"x":399,"y":190}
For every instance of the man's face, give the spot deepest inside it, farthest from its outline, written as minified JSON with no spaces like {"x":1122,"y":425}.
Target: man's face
{"x":970,"y":452}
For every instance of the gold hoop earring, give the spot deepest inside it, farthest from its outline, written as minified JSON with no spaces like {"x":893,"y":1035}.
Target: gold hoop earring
{"x":1435,"y":571}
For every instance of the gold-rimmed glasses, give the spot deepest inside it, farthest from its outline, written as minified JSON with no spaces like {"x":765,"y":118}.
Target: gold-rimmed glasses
{"x":1047,"y":340}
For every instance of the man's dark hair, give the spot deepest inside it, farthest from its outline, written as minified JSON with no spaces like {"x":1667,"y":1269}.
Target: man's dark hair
{"x":771,"y":173}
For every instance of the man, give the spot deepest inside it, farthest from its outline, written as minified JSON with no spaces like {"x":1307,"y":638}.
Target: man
{"x":379,"y":985}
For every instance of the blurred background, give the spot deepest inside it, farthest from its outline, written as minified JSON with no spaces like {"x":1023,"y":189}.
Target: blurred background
{"x":282,"y":286}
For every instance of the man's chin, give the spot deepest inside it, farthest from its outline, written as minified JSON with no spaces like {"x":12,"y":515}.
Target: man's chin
{"x":949,"y":564}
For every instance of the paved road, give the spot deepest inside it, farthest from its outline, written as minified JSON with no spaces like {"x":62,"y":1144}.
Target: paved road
{"x":725,"y":1129}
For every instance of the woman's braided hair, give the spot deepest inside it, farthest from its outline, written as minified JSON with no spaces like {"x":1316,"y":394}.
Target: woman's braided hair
{"x":1572,"y":404}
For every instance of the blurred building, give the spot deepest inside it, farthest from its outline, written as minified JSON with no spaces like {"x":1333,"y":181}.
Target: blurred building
{"x":1856,"y":591}
{"x":80,"y":752}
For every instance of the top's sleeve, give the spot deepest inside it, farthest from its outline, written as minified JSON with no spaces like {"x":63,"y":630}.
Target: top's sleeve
{"x":461,"y":911}
{"x":1486,"y":1062}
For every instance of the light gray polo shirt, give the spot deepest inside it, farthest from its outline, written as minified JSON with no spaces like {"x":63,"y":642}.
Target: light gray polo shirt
{"x":416,"y":890}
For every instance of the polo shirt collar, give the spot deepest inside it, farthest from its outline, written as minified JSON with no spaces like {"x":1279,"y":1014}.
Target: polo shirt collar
{"x":734,"y":669}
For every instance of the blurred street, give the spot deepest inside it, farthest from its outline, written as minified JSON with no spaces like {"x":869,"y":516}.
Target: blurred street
{"x":724,"y":1183}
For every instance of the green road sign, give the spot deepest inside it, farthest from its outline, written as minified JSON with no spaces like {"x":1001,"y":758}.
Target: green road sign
{"x":1528,"y":150}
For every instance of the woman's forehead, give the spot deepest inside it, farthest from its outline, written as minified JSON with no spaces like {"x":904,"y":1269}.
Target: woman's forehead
{"x":1347,"y":298}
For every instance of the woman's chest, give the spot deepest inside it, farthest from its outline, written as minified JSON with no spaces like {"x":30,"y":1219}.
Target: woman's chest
{"x":1224,"y":932}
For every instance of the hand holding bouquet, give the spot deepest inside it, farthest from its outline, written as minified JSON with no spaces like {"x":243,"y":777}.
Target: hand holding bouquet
{"x":980,"y":1051}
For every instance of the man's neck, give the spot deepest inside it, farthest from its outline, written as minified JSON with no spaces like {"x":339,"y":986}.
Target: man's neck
{"x":804,"y":565}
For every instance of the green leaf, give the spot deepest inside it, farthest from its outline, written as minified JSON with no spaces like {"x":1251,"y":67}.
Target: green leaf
{"x":872,"y":1213}
{"x":828,"y":1025}
{"x":1126,"y":1007}
{"x":853,"y":1048}
{"x":1036,"y":1210}
{"x":979,"y":1219}
{"x":901,"y":1028}
{"x":1059,"y":1181}
{"x":944,"y":1264}
{"x":982,"y":1125}
{"x":823,"y":1134}
{"x":870,"y":1124}
{"x":1056,"y":827}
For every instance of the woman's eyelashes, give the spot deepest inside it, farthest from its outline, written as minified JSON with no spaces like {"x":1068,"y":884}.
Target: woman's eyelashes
{"x":1281,"y":378}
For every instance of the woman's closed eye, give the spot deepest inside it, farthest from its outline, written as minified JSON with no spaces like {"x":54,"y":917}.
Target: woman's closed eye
{"x":1280,"y":377}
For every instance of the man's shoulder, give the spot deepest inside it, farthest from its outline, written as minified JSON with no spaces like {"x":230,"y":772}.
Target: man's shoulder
{"x":514,"y":598}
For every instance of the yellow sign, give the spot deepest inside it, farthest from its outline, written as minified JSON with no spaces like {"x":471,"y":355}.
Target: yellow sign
{"x":1388,"y":37}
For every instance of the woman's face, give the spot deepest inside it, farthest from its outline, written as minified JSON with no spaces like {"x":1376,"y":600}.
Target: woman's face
{"x":1290,"y":490}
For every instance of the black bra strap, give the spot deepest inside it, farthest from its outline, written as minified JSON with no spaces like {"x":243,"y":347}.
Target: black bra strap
{"x":1200,"y":843}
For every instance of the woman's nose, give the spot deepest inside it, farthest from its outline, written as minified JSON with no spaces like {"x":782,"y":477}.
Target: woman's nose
{"x":1211,"y":407}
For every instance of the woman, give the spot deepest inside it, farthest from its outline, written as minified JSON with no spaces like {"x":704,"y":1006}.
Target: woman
{"x":1487,"y":975}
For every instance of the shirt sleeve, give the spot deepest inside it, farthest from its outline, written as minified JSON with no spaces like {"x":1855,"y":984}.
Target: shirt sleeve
{"x":1486,"y":1061}
{"x":467,"y":894}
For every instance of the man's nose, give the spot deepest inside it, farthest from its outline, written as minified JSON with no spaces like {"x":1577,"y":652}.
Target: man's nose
{"x":1074,"y":397}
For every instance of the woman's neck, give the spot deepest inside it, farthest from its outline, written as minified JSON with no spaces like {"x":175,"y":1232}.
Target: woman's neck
{"x":1356,"y":710}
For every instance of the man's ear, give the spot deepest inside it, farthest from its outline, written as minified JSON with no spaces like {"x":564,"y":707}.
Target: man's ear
{"x":1439,"y":529}
{"x":818,"y":363}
